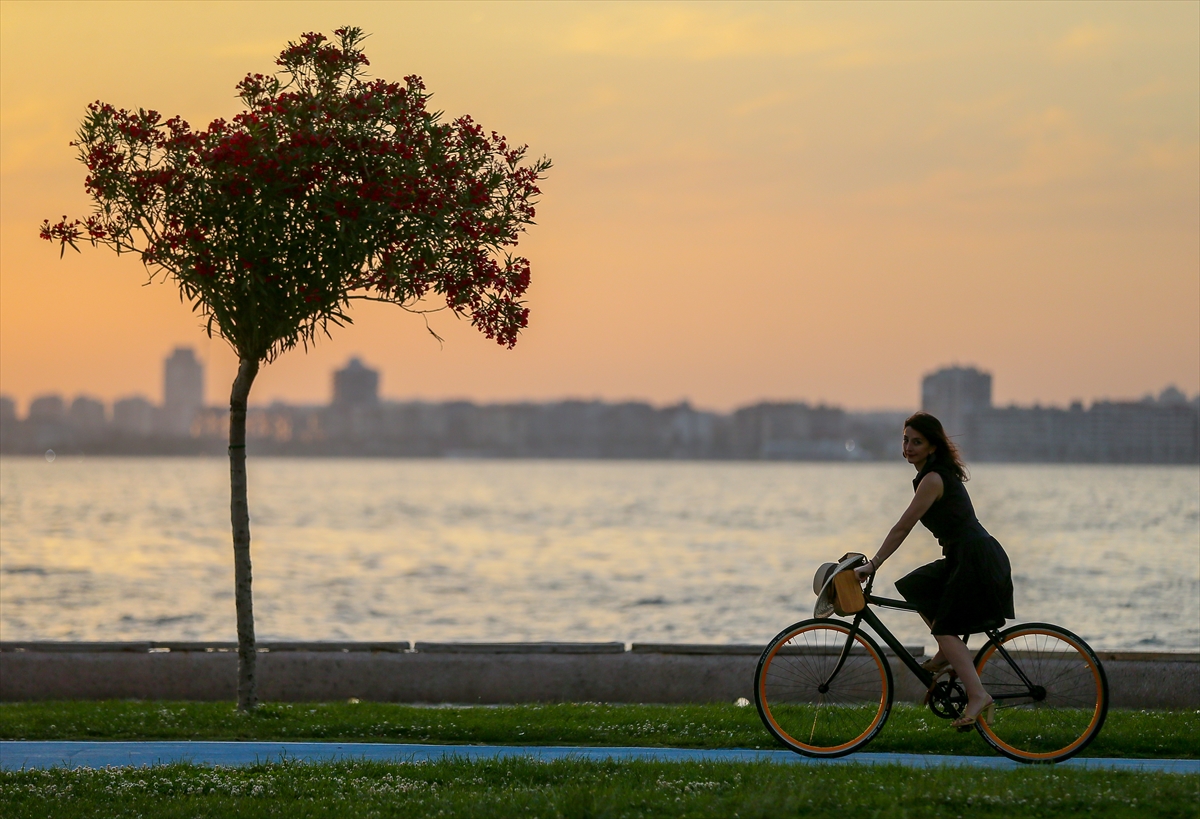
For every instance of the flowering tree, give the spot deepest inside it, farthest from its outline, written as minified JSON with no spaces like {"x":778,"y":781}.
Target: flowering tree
{"x":329,"y":187}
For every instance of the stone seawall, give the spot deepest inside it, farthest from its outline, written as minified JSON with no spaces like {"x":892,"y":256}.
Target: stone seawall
{"x":475,"y":673}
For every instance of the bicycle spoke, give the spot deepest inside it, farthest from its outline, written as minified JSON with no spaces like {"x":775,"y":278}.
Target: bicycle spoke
{"x":1071,"y":710}
{"x":801,"y":662}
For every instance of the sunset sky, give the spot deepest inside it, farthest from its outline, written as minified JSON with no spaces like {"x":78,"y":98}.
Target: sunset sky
{"x":811,"y":201}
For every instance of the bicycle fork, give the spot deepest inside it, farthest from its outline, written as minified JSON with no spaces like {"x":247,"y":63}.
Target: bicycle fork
{"x":823,"y":688}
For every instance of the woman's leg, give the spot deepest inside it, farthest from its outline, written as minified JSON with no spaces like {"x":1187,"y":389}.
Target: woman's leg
{"x":939,"y":656}
{"x":956,"y":651}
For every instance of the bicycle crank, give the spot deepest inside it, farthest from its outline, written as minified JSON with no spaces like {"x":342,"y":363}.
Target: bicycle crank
{"x":947,"y":699}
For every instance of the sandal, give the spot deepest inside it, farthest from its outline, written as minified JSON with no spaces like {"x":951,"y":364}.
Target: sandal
{"x":965,"y":723}
{"x":935,"y":667}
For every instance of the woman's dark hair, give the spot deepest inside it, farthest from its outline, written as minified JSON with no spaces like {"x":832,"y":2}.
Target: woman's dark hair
{"x":946,"y":452}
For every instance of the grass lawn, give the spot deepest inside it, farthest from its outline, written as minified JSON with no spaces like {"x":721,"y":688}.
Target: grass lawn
{"x":910,"y":729}
{"x":569,"y":788}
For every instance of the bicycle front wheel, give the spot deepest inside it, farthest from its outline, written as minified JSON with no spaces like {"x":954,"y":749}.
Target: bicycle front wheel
{"x":1050,"y":690}
{"x":812,"y":705}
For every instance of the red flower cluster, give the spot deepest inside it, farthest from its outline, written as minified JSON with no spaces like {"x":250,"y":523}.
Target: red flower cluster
{"x":68,"y":233}
{"x":326,"y":188}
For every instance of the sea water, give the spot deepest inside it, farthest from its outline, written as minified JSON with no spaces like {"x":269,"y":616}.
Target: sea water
{"x":492,"y":550}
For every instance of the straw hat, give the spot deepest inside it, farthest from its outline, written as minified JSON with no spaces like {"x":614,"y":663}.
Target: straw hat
{"x":823,"y":582}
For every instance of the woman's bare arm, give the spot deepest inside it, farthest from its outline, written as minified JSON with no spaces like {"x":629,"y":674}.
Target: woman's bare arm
{"x":928,"y":491}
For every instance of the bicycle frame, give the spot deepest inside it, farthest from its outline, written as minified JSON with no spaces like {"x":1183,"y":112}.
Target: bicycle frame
{"x":1036,"y":692}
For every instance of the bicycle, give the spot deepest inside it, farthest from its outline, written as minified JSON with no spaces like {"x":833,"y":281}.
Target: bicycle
{"x":823,"y":687}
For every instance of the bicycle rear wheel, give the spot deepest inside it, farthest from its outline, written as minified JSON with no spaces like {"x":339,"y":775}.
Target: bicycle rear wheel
{"x":804,"y":708}
{"x":1059,"y":710}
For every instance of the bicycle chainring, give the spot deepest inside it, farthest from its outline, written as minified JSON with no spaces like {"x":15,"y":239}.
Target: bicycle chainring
{"x":948,"y":698}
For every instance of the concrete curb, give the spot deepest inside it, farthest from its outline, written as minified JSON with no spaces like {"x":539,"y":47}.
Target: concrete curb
{"x":473,"y":673}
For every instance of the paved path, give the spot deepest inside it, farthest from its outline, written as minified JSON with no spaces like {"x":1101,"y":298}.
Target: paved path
{"x":15,"y":755}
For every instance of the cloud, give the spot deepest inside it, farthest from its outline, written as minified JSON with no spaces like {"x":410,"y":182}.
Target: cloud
{"x":598,"y":98}
{"x":1055,"y":148}
{"x":952,"y":115}
{"x":700,"y":33}
{"x":1042,"y":159}
{"x":1157,"y":88}
{"x":35,"y":133}
{"x":263,"y":49}
{"x":1167,"y":155}
{"x":1083,"y":42}
{"x":756,"y":104}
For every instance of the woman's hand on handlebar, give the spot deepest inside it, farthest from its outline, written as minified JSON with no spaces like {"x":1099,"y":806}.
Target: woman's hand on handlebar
{"x":863,"y":572}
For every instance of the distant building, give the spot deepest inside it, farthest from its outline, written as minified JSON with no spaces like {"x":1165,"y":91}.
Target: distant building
{"x":954,"y":395}
{"x":8,"y":423}
{"x":46,"y":424}
{"x":88,"y":417}
{"x":1145,"y":432}
{"x":46,"y":409}
{"x":355,"y":384}
{"x":1169,"y":397}
{"x":792,"y":431}
{"x":183,"y":391}
{"x":133,"y":417}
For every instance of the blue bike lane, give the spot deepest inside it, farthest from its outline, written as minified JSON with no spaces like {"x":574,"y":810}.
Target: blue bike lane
{"x":20,"y":754}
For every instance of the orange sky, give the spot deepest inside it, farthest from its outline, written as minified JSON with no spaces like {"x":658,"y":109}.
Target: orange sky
{"x":779,"y":201}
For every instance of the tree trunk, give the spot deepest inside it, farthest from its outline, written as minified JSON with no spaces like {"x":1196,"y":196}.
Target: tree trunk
{"x":239,"y":513}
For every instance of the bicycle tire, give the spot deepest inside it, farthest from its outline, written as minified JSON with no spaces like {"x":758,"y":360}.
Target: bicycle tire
{"x":830,"y":723}
{"x":1057,"y":721}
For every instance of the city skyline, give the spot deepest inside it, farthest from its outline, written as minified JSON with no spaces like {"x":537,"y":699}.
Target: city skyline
{"x":814,"y":202}
{"x":358,"y":422}
{"x":356,"y":367}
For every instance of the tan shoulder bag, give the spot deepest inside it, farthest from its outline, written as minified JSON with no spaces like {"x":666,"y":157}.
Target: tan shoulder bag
{"x":847,"y":593}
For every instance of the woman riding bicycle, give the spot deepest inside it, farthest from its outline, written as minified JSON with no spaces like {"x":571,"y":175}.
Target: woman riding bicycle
{"x":970,"y":589}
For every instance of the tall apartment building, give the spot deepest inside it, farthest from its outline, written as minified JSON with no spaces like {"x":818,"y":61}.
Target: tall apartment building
{"x":355,"y":384}
{"x":355,"y":412}
{"x":956,"y":395}
{"x":183,"y":391}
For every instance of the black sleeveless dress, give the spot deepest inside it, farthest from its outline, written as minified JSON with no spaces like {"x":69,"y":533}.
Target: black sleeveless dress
{"x":969,"y":590}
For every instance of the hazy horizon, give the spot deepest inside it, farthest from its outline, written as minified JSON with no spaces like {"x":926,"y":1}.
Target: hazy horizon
{"x":815,"y":202}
